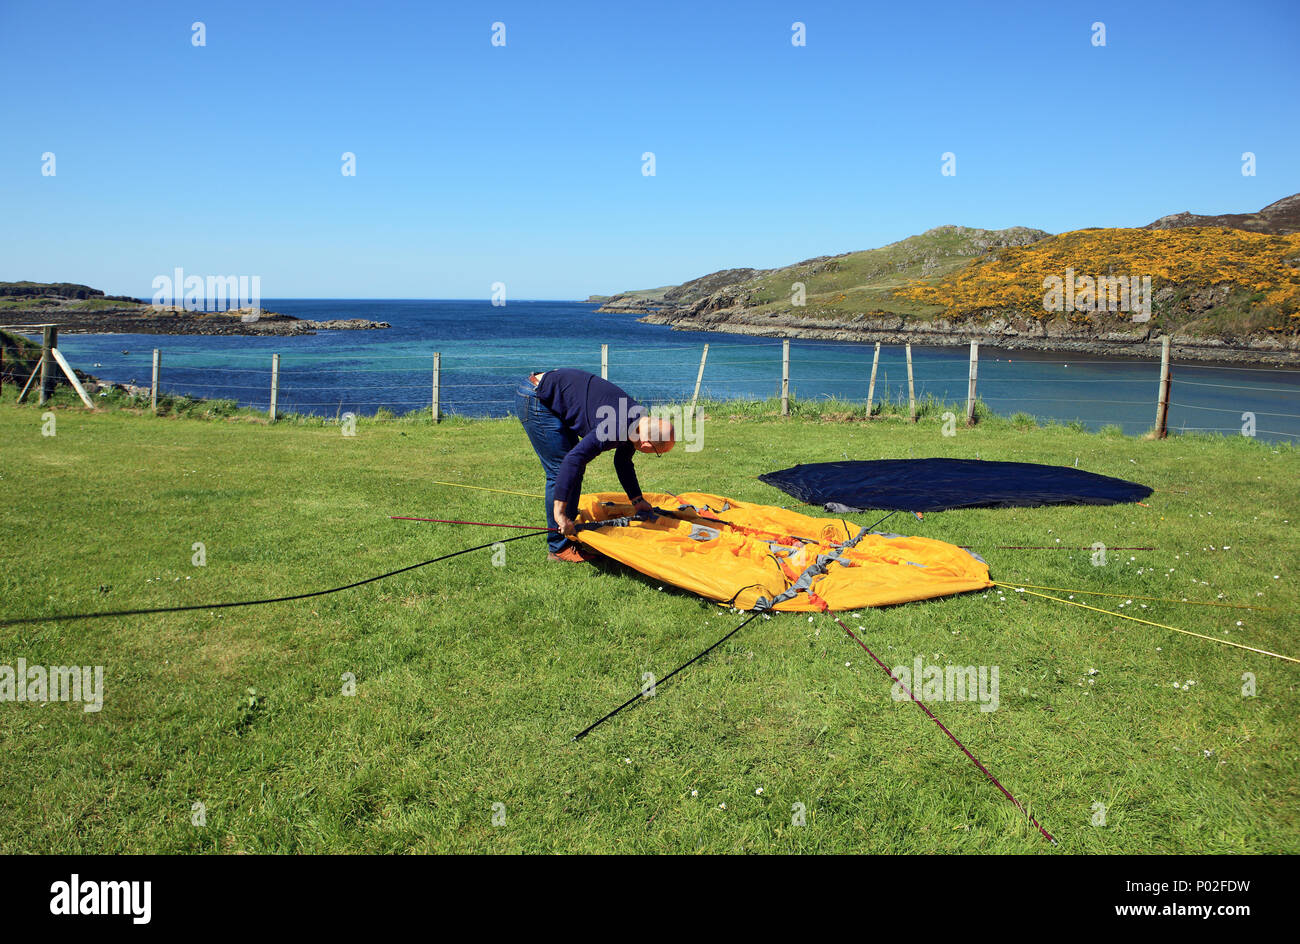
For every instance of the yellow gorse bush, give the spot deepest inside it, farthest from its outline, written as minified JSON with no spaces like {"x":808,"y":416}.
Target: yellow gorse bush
{"x":1197,"y":256}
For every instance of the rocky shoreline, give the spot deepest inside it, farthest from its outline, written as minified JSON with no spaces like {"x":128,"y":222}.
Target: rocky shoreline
{"x":1003,"y":332}
{"x":146,"y":320}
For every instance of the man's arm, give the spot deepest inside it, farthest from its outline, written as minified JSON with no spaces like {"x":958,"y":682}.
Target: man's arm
{"x":568,"y":480}
{"x":627,"y":474}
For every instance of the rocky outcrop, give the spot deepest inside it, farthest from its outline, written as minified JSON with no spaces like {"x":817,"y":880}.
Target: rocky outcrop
{"x":144,"y":319}
{"x":1279,"y":218}
{"x":80,"y":309}
{"x":346,"y":324}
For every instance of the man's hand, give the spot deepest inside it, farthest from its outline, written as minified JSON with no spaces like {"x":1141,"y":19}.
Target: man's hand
{"x":567,"y":525}
{"x":641,"y":506}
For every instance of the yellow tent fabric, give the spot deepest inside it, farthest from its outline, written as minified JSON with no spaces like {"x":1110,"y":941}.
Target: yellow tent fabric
{"x":761,"y":551}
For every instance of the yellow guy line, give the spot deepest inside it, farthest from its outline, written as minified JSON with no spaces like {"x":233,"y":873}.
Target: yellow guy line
{"x":503,"y":491}
{"x":1185,"y":632}
{"x":1130,"y":596}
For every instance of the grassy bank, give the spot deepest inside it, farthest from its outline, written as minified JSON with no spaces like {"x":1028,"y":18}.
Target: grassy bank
{"x":471,"y":678}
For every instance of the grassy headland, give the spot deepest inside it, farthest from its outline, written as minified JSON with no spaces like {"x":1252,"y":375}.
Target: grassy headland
{"x":1224,"y":287}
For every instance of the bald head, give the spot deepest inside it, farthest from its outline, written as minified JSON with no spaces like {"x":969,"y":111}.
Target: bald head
{"x":653,"y":434}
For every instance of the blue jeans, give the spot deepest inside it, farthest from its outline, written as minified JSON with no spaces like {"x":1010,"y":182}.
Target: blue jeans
{"x":551,"y":441}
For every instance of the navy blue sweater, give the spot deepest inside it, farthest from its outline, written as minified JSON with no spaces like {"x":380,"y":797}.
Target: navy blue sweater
{"x":600,"y":414}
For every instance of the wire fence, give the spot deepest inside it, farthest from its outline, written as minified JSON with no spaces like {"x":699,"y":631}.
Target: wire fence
{"x":1250,"y":401}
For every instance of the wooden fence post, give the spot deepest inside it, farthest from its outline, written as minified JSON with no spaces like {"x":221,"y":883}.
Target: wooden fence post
{"x":1166,"y":382}
{"x":911,"y":389}
{"x":49,"y":338}
{"x":604,"y":362}
{"x":437,"y":383}
{"x":31,"y":379}
{"x":72,"y":377}
{"x":153,"y":384}
{"x":871,"y":387}
{"x":970,"y":390}
{"x":699,"y":377}
{"x":275,"y":384}
{"x":785,"y":377}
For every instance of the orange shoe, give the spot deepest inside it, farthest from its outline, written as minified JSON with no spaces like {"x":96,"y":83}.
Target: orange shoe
{"x":570,"y":555}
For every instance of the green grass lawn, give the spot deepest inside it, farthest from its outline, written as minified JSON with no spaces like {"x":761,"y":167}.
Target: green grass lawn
{"x":471,"y":678}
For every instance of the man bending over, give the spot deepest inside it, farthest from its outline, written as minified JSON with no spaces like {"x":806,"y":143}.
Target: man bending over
{"x":571,"y":417}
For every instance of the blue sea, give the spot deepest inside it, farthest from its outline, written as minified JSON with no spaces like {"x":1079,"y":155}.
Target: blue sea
{"x":486,"y":349}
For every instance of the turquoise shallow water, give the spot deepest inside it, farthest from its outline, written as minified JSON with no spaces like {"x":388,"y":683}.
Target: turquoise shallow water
{"x":485,"y":349}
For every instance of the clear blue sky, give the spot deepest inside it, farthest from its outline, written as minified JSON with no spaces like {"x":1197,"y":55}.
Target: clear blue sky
{"x":522,"y":164}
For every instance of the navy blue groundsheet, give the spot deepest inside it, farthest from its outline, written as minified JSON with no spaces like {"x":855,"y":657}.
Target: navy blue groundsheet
{"x":936,"y":484}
